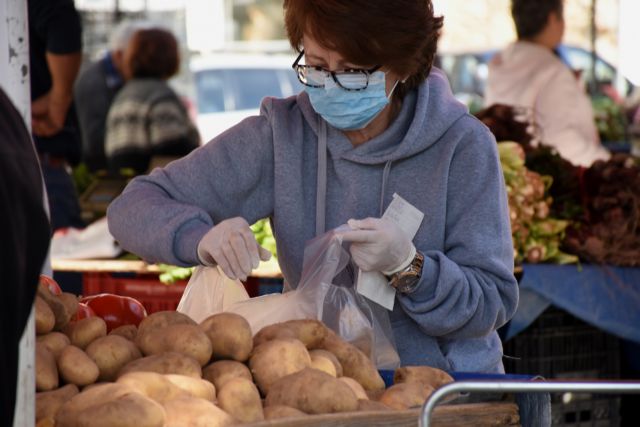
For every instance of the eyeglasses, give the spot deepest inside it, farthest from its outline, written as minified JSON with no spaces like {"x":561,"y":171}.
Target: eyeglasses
{"x":351,"y":79}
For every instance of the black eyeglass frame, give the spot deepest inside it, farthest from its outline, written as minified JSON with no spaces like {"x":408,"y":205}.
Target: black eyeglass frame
{"x":366,"y":72}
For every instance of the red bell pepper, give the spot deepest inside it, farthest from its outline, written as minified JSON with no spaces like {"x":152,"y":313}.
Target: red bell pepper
{"x":83,"y":312}
{"x":116,"y":310}
{"x":51,"y":284}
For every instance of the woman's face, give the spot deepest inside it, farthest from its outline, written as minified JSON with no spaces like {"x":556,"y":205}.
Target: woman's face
{"x":317,"y":55}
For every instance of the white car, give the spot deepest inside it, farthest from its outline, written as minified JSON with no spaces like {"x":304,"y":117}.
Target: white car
{"x":230,"y":87}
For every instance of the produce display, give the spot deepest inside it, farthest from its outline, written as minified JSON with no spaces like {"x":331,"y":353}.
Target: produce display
{"x":609,"y":231}
{"x":536,"y":235}
{"x":166,"y":370}
{"x":601,"y":204}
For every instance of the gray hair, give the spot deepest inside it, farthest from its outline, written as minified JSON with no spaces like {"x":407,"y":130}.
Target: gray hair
{"x":121,"y":35}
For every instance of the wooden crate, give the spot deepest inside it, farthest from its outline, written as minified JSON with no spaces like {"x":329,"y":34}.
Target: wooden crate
{"x":498,"y":414}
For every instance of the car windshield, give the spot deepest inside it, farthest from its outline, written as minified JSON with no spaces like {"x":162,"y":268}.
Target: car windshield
{"x":242,"y":89}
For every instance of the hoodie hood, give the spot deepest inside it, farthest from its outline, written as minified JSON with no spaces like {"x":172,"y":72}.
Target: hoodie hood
{"x":426,"y":114}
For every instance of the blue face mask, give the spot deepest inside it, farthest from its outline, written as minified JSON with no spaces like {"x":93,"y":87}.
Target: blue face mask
{"x":350,"y":110}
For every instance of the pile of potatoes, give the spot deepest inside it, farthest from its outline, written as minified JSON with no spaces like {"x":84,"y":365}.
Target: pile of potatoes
{"x":171,"y":371}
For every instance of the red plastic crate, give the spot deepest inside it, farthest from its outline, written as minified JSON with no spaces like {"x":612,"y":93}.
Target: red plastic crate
{"x":146,"y":288}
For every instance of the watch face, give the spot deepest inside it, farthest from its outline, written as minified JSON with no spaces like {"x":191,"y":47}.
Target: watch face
{"x":406,"y":282}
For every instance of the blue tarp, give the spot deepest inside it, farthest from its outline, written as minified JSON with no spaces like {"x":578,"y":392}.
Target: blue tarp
{"x":604,"y":296}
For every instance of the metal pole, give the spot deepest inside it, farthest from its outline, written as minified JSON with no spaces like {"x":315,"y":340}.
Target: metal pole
{"x":594,"y":34}
{"x":609,"y":387}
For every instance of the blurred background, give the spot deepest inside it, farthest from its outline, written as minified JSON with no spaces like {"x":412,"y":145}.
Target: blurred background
{"x":225,"y":43}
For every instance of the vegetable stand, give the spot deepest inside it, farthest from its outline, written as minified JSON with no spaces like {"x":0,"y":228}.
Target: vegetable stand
{"x":139,"y":279}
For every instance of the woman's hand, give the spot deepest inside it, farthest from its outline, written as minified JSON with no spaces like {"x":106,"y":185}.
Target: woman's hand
{"x":378,"y":245}
{"x":231,"y":245}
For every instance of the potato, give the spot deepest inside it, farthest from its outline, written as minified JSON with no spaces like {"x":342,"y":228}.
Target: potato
{"x":230,"y":336}
{"x":240,"y":398}
{"x":111,"y":353}
{"x":195,"y":412}
{"x":406,"y":395}
{"x":46,"y":422}
{"x":96,"y":395}
{"x":426,"y":375}
{"x":371,"y":405}
{"x":313,"y":392}
{"x":311,"y":332}
{"x":55,"y":342}
{"x":127,"y":331}
{"x":328,"y":355}
{"x":275,"y":359}
{"x":222,"y":371}
{"x":75,"y":367}
{"x":152,"y":385}
{"x":85,"y":331}
{"x":323,"y":364}
{"x":46,"y":369}
{"x":45,"y":319}
{"x":129,"y":410}
{"x":165,"y":363}
{"x":355,"y":387}
{"x":49,"y":402}
{"x":181,"y":338}
{"x":161,"y":319}
{"x":277,"y":412}
{"x":196,"y":387}
{"x":70,"y":302}
{"x":59,"y":306}
{"x":355,"y":364}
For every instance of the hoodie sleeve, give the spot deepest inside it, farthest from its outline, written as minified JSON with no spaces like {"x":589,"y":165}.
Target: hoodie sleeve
{"x":162,"y":216}
{"x":469,"y":290}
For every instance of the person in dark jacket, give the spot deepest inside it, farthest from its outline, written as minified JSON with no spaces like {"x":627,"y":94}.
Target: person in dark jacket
{"x":24,"y":238}
{"x":55,"y":49}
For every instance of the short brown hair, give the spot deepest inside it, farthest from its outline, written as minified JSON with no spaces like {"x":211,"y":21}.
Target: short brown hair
{"x":400,"y":34}
{"x":531,"y":16}
{"x":153,"y":52}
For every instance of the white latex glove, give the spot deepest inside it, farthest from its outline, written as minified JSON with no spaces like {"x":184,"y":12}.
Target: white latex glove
{"x":379,"y":245}
{"x":232,"y":245}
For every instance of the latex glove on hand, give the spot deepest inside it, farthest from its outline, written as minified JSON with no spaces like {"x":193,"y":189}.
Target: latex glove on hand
{"x":232,"y":245}
{"x":380,"y":245}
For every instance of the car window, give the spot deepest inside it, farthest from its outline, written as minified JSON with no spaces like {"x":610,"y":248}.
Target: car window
{"x":210,"y":91}
{"x":254,"y":84}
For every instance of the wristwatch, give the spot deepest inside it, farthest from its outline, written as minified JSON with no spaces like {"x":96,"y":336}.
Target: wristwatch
{"x":405,"y":281}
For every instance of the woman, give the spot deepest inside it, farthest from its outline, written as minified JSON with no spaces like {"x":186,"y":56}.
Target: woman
{"x":147,"y":119}
{"x":369,"y":124}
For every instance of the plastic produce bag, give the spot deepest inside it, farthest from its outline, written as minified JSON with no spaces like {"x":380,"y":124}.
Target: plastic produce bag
{"x":327,"y":292}
{"x":208,"y":292}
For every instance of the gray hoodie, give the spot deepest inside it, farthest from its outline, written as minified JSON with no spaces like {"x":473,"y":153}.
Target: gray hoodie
{"x":435,"y":155}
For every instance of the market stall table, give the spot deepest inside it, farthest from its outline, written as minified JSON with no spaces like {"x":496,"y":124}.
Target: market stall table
{"x":140,"y":280}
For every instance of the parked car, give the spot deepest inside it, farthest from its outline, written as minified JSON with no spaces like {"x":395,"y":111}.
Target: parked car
{"x":468,"y":72}
{"x":230,"y":87}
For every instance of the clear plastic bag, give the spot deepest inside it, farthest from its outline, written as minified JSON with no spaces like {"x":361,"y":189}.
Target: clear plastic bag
{"x":327,"y":292}
{"x":208,"y":292}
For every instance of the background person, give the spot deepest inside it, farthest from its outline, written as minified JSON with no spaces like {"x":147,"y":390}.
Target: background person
{"x":529,"y":74}
{"x":55,"y":50}
{"x":24,"y":239}
{"x":147,"y":118}
{"x":388,"y":123}
{"x":95,"y":90}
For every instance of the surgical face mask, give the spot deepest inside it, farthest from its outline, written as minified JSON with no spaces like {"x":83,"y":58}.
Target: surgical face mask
{"x":350,"y":110}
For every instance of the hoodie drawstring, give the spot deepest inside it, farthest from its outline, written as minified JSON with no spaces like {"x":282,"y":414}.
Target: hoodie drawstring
{"x":321,"y":179}
{"x":385,"y":177}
